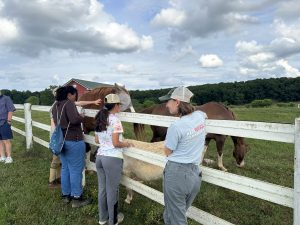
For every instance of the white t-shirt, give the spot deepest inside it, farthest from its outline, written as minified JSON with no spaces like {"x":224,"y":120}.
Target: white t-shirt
{"x":106,"y":147}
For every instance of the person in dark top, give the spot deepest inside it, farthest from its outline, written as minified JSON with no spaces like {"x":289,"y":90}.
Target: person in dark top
{"x":64,"y":111}
{"x":6,"y":112}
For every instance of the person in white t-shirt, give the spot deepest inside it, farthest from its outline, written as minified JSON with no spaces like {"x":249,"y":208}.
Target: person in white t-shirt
{"x":109,"y":161}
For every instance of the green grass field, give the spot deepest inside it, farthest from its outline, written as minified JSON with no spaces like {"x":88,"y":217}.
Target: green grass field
{"x":26,"y":199}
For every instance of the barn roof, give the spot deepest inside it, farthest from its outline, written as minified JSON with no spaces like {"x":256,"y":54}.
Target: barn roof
{"x":88,"y":84}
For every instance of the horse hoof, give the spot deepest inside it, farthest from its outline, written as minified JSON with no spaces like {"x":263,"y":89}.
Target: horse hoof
{"x":223,"y":169}
{"x":242,"y":164}
{"x":127,"y":201}
{"x":208,"y":161}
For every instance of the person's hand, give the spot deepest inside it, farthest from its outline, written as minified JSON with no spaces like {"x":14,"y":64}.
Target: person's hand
{"x":129,"y":145}
{"x":98,"y":101}
{"x":9,"y":122}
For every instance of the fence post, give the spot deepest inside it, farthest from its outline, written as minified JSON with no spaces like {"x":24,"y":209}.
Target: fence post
{"x":28,"y":125}
{"x":297,"y":173}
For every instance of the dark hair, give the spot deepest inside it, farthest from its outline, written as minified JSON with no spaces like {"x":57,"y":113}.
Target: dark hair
{"x":102,"y":117}
{"x":62,"y":93}
{"x":185,"y":108}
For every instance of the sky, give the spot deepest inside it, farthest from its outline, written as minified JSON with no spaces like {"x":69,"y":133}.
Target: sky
{"x":147,"y":44}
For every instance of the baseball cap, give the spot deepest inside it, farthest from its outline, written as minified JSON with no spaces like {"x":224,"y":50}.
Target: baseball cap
{"x":182,"y":94}
{"x":112,"y":98}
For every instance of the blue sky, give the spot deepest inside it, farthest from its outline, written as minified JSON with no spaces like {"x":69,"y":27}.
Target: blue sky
{"x":146,"y":44}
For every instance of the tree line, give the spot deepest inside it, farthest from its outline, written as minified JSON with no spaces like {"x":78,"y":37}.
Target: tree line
{"x":236,"y":93}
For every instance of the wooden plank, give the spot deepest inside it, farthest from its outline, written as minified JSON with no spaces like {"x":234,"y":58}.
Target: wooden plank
{"x":297,"y":173}
{"x":196,"y":214}
{"x":41,"y":126}
{"x":18,"y":131}
{"x":259,"y":189}
{"x":19,"y":119}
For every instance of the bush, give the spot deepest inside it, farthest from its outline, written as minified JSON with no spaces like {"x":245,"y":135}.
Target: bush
{"x":262,"y":103}
{"x":148,"y":103}
{"x":33,"y":100}
{"x":286,"y":104}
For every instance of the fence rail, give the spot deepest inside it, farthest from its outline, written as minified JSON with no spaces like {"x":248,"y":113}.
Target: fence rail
{"x":264,"y":131}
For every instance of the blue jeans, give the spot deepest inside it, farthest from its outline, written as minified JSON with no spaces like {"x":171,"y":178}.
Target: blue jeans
{"x":72,"y":160}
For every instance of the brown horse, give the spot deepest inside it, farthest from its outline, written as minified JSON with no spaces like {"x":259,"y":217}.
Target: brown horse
{"x":100,"y":93}
{"x":214,"y":111}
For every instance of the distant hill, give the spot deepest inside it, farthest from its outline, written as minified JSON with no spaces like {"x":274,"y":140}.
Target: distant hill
{"x":278,"y":89}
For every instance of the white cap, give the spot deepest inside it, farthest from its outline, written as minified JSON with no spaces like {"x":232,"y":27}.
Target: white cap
{"x":112,"y":98}
{"x":182,"y":94}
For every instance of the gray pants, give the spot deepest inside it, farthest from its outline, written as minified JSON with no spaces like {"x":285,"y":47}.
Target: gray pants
{"x":181,"y":184}
{"x":109,"y":172}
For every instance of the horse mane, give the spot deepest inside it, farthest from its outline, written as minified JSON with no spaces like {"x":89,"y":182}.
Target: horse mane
{"x":99,"y":92}
{"x":228,"y":109}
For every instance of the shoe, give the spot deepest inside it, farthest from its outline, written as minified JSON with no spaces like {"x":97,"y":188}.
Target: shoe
{"x":2,"y":159}
{"x":8,"y":160}
{"x":66,"y":198}
{"x":120,"y":218}
{"x":80,"y":201}
{"x":54,"y":184}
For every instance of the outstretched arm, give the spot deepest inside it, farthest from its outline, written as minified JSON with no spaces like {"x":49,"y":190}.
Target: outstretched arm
{"x":83,"y":103}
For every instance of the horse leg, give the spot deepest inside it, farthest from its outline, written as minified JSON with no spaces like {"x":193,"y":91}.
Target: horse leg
{"x":207,"y":161}
{"x":220,"y":140}
{"x":129,"y":196}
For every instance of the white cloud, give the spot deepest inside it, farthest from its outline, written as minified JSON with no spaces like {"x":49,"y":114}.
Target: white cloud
{"x":81,"y":26}
{"x":288,"y":9}
{"x":261,"y":57}
{"x":248,"y":47}
{"x":8,"y":30}
{"x":199,"y":18}
{"x":169,"y":17}
{"x":146,"y":42}
{"x":125,"y":68}
{"x":210,"y":61}
{"x":290,"y":71}
{"x":241,"y":18}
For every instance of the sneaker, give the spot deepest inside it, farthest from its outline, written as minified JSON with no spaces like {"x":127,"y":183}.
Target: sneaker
{"x":66,"y":198}
{"x":8,"y":160}
{"x":2,"y":159}
{"x":79,"y":202}
{"x":120,"y":218}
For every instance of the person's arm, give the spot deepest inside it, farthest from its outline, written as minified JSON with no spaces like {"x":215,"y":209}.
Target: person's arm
{"x":117,"y":130}
{"x":168,"y":151}
{"x":9,"y":117}
{"x":172,"y":139}
{"x":72,"y":113}
{"x":97,"y":139}
{"x":119,"y":144}
{"x":10,"y":108}
{"x":83,"y":103}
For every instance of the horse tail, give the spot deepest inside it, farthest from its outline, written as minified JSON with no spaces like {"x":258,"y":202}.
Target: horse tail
{"x":139,"y":131}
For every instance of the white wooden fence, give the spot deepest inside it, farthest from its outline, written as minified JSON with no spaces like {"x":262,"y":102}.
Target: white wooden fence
{"x":263,"y":190}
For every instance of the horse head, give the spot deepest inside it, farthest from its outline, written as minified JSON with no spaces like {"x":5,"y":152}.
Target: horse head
{"x":239,"y":151}
{"x":124,"y":97}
